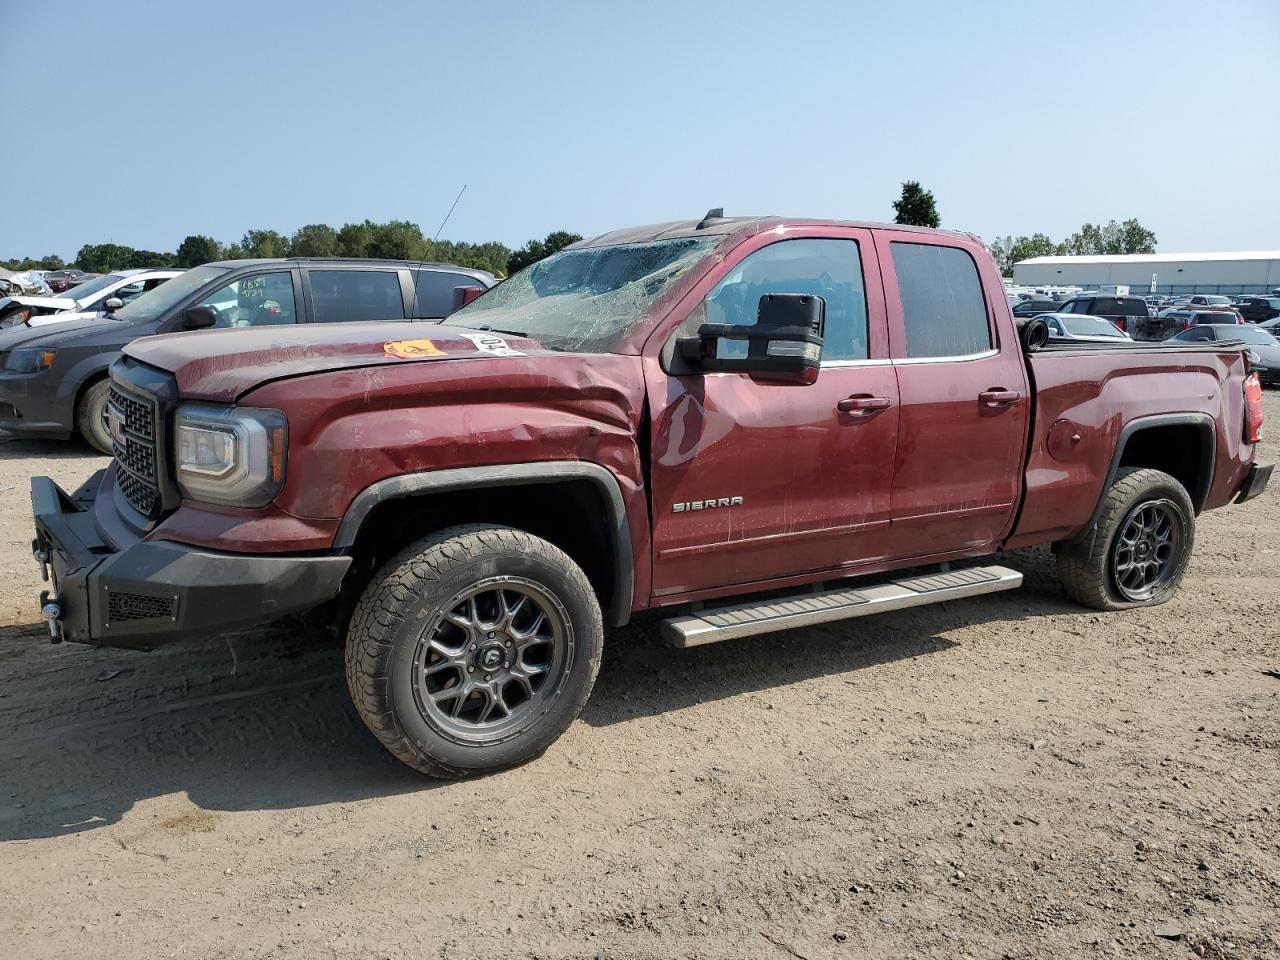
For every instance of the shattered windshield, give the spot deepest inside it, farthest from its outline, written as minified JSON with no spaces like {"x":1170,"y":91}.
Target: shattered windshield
{"x":586,"y":299}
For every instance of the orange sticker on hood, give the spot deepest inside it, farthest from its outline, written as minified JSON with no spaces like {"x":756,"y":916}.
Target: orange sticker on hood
{"x":411,"y":349}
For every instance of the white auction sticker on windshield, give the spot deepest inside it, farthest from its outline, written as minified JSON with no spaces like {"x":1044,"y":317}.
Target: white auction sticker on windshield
{"x":490,"y":343}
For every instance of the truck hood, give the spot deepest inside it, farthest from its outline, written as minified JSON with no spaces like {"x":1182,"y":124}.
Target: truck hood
{"x":223,"y":365}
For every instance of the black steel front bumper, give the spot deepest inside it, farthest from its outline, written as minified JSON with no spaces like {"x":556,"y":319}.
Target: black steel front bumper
{"x":1255,"y":481}
{"x":147,"y":593}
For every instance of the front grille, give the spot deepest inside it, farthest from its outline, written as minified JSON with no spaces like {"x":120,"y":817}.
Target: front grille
{"x":123,"y":607}
{"x":133,"y":440}
{"x":139,"y":415}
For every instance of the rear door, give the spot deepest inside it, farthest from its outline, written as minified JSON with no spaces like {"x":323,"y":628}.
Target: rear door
{"x":963,"y":421}
{"x":346,"y":295}
{"x":754,"y":481}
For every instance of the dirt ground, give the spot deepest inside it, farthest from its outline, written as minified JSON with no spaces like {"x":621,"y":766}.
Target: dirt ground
{"x":1009,"y":776}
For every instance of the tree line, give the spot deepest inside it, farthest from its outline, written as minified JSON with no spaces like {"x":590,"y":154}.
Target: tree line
{"x":1090,"y":240}
{"x":916,"y":206}
{"x":393,"y":240}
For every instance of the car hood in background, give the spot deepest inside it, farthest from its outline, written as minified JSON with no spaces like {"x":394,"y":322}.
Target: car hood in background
{"x":47,"y":303}
{"x":225,"y":364}
{"x":52,"y":334}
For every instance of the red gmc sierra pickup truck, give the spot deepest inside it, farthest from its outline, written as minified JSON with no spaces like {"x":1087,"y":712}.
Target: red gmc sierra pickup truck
{"x":747,"y":424}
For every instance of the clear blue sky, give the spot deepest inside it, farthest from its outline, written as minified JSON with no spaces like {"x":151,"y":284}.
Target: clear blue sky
{"x":218,"y":117}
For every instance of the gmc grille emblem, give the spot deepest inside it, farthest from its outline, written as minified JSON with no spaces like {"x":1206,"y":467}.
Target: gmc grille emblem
{"x":115,"y":424}
{"x":705,"y":504}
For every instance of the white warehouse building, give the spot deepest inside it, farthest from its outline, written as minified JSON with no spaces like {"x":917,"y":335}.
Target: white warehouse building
{"x":1244,"y":272}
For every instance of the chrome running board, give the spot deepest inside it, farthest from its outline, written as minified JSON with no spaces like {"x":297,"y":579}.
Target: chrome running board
{"x":806,"y":609}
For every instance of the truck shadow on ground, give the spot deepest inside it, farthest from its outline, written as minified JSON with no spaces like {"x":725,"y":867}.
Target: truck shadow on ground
{"x":261,"y":720}
{"x":73,"y":448}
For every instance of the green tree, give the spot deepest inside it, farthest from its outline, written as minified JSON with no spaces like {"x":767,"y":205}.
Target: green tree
{"x":314,"y":240}
{"x":265,"y":243}
{"x":52,"y":262}
{"x":198,"y":249}
{"x":398,"y":240}
{"x":104,"y":257}
{"x":354,"y":239}
{"x":1113,"y":238}
{"x":536,"y":250}
{"x":142,"y":259}
{"x":916,"y":206}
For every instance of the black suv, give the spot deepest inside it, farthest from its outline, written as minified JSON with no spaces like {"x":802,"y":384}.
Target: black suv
{"x":1124,"y":312}
{"x":1033,"y":308}
{"x":1259,"y":309}
{"x":53,"y":378}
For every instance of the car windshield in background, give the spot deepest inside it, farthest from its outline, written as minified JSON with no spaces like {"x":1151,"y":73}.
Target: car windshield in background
{"x":1089,"y":327}
{"x":585,"y":299}
{"x":86,"y":290}
{"x":1218,"y":301}
{"x":154,"y":303}
{"x":1248,"y":334}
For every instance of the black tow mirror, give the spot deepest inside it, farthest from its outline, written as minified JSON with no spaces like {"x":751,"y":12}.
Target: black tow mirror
{"x":112,"y":304}
{"x":198,"y":318}
{"x":784,"y":344}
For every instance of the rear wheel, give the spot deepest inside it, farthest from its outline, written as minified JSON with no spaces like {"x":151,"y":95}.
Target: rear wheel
{"x":91,"y":416}
{"x":473,"y":650}
{"x":1141,"y":548}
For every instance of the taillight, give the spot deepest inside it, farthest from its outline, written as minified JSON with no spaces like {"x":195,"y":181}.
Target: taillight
{"x":1253,"y":408}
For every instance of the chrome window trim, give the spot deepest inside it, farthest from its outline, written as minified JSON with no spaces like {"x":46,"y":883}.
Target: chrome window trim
{"x":985,"y":354}
{"x":840,"y":364}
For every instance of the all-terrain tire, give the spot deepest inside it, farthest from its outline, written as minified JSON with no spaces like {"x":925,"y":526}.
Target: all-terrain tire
{"x":91,"y":416}
{"x":1088,"y":569}
{"x":409,"y":598}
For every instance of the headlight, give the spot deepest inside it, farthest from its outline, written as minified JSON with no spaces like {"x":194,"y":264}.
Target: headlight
{"x":230,"y":455}
{"x":29,"y":360}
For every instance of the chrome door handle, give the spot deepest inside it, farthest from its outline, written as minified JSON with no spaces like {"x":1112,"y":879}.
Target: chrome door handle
{"x":998,"y":397}
{"x":862,"y":403}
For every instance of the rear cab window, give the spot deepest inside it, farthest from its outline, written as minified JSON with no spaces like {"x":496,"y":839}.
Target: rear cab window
{"x":944,"y":311}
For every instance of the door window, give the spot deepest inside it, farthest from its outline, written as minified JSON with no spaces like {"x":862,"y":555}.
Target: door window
{"x":340,"y":295}
{"x":436,"y":291}
{"x":943,"y":309}
{"x":831,"y":269}
{"x":262,"y":299}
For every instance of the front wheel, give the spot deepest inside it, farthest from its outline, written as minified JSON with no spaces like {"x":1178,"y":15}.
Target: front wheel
{"x":1141,"y":548}
{"x":91,"y":416}
{"x":473,"y":650}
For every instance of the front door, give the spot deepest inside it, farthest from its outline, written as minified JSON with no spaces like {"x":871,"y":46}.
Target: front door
{"x":962,"y":428}
{"x":753,"y":481}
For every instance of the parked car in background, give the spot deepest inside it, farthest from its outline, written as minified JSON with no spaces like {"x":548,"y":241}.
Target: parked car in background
{"x":29,"y":283}
{"x":60,"y":281}
{"x":1070,"y":326}
{"x":1209,"y":300}
{"x":1264,"y":349}
{"x":92,"y":298}
{"x":1173,"y":321}
{"x":1259,"y":309}
{"x":1033,"y":308}
{"x":1123,"y":311}
{"x":53,"y":379}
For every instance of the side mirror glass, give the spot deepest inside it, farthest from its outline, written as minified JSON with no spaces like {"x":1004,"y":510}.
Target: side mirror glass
{"x":198,"y":318}
{"x":112,"y":304}
{"x":464,"y":295}
{"x":783,"y":345}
